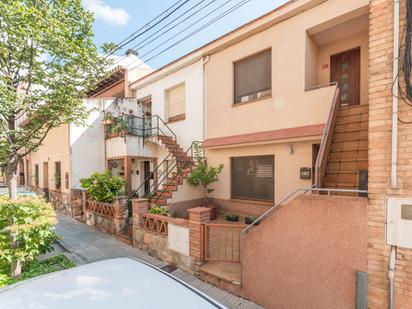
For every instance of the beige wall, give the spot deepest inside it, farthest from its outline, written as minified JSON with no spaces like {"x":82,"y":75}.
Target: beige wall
{"x":287,"y":167}
{"x":292,"y":70}
{"x":54,"y":148}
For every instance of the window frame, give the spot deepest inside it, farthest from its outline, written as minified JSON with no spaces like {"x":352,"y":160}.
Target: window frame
{"x":36,"y":175}
{"x":178,"y":117}
{"x":234,"y":197}
{"x":234,"y":103}
{"x":57,"y":187}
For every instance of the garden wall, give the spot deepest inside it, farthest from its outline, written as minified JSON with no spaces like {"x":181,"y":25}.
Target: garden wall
{"x":163,"y":237}
{"x":107,"y":217}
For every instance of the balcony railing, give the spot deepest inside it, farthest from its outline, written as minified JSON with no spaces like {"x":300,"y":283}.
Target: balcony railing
{"x":136,"y":126}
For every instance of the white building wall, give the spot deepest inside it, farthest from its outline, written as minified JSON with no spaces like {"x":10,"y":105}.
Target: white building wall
{"x":87,"y":142}
{"x":190,"y":129}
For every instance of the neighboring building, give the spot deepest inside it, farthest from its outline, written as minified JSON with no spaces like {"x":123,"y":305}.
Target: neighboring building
{"x":72,"y":152}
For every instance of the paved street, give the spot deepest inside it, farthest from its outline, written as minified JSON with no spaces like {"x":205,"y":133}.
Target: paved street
{"x":82,"y":244}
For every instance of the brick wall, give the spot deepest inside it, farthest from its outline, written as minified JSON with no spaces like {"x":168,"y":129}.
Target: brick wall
{"x":380,"y":108}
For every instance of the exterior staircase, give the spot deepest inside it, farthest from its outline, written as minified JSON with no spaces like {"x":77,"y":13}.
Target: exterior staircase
{"x":347,"y":161}
{"x":183,"y":164}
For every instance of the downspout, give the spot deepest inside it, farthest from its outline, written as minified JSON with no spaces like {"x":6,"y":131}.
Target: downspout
{"x":391,"y":277}
{"x":205,"y":60}
{"x":394,"y":159}
{"x":395,"y":90}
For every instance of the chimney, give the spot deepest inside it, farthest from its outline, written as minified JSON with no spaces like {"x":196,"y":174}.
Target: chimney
{"x":132,"y":52}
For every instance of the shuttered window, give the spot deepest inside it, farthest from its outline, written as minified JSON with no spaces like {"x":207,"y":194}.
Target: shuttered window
{"x":253,"y":77}
{"x":175,"y":103}
{"x":253,"y":178}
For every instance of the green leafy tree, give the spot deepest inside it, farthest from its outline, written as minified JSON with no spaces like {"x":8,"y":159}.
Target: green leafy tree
{"x":48,"y":61}
{"x":203,"y":175}
{"x":103,"y":187}
{"x":26,"y":230}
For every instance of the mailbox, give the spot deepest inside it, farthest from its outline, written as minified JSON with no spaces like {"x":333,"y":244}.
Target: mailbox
{"x":305,"y":173}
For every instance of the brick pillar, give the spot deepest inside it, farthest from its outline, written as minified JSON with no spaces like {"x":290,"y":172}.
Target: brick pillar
{"x":120,"y":214}
{"x":197,"y":218}
{"x":76,"y":196}
{"x":83,"y":206}
{"x":128,"y":174}
{"x":139,"y":206}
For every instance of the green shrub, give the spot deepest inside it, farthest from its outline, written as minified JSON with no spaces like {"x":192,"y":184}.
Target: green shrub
{"x":103,"y":187}
{"x":159,"y":210}
{"x":26,"y":230}
{"x":38,"y":268}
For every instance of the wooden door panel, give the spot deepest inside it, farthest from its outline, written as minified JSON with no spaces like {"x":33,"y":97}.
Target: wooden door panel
{"x":345,"y":70}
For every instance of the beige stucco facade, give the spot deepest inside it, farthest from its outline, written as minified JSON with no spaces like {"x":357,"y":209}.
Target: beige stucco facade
{"x":55,"y":148}
{"x":300,"y":47}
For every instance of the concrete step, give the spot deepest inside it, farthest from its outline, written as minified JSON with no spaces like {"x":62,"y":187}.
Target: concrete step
{"x":350,"y":145}
{"x":347,"y":165}
{"x":224,"y":275}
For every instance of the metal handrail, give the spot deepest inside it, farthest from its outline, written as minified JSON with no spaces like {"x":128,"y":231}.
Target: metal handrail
{"x":189,"y":161}
{"x":287,"y":197}
{"x":326,"y":137}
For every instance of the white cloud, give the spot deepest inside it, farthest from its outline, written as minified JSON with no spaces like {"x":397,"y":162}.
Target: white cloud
{"x":103,"y":11}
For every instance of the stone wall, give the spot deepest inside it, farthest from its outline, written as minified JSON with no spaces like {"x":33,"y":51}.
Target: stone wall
{"x":163,"y":237}
{"x":107,"y":217}
{"x":380,"y":121}
{"x":61,"y":201}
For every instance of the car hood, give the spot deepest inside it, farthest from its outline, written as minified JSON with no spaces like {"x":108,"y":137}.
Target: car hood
{"x":114,"y":283}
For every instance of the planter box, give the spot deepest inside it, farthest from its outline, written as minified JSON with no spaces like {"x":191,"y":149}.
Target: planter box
{"x":232,"y":218}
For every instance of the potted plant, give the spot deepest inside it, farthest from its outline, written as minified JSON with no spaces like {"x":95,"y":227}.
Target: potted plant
{"x":203,"y":176}
{"x":251,"y":219}
{"x":232,"y":217}
{"x":107,"y":119}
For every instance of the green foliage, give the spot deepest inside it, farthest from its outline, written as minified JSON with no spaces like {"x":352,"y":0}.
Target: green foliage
{"x":48,"y":62}
{"x":26,"y":229}
{"x":37,"y":268}
{"x":203,"y":175}
{"x":103,"y":187}
{"x":159,"y":210}
{"x":119,"y":125}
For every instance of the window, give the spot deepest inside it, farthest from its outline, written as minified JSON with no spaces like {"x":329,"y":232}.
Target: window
{"x":253,"y":77}
{"x":175,"y":103}
{"x":36,"y":174}
{"x":58,"y":175}
{"x":253,"y":178}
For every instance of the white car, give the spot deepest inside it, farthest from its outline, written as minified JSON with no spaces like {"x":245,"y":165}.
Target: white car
{"x":115,"y":283}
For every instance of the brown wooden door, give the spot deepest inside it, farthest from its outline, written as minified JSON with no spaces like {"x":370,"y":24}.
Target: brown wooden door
{"x":345,"y":70}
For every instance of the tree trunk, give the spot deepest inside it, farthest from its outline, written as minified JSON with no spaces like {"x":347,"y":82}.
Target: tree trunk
{"x":15,"y":269}
{"x":205,"y":195}
{"x":12,"y":184}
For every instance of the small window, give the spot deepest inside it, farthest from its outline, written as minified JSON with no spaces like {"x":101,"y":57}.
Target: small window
{"x":253,"y":178}
{"x":36,"y":174}
{"x":58,"y":175}
{"x":175,"y":103}
{"x":253,"y":77}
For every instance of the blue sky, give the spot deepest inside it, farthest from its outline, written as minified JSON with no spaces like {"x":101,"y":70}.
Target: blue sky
{"x":116,"y":19}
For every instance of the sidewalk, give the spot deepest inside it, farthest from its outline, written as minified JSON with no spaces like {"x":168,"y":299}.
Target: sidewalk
{"x":82,"y":244}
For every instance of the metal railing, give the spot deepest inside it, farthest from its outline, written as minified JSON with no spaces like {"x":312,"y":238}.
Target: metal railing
{"x":321,"y":160}
{"x":222,"y":242}
{"x":267,"y":213}
{"x":171,"y":163}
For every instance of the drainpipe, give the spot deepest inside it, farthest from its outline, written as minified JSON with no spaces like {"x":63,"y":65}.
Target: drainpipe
{"x":391,"y":276}
{"x":205,"y":60}
{"x":394,"y":159}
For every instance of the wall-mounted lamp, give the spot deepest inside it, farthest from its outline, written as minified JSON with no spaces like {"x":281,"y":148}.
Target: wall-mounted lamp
{"x":290,"y":148}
